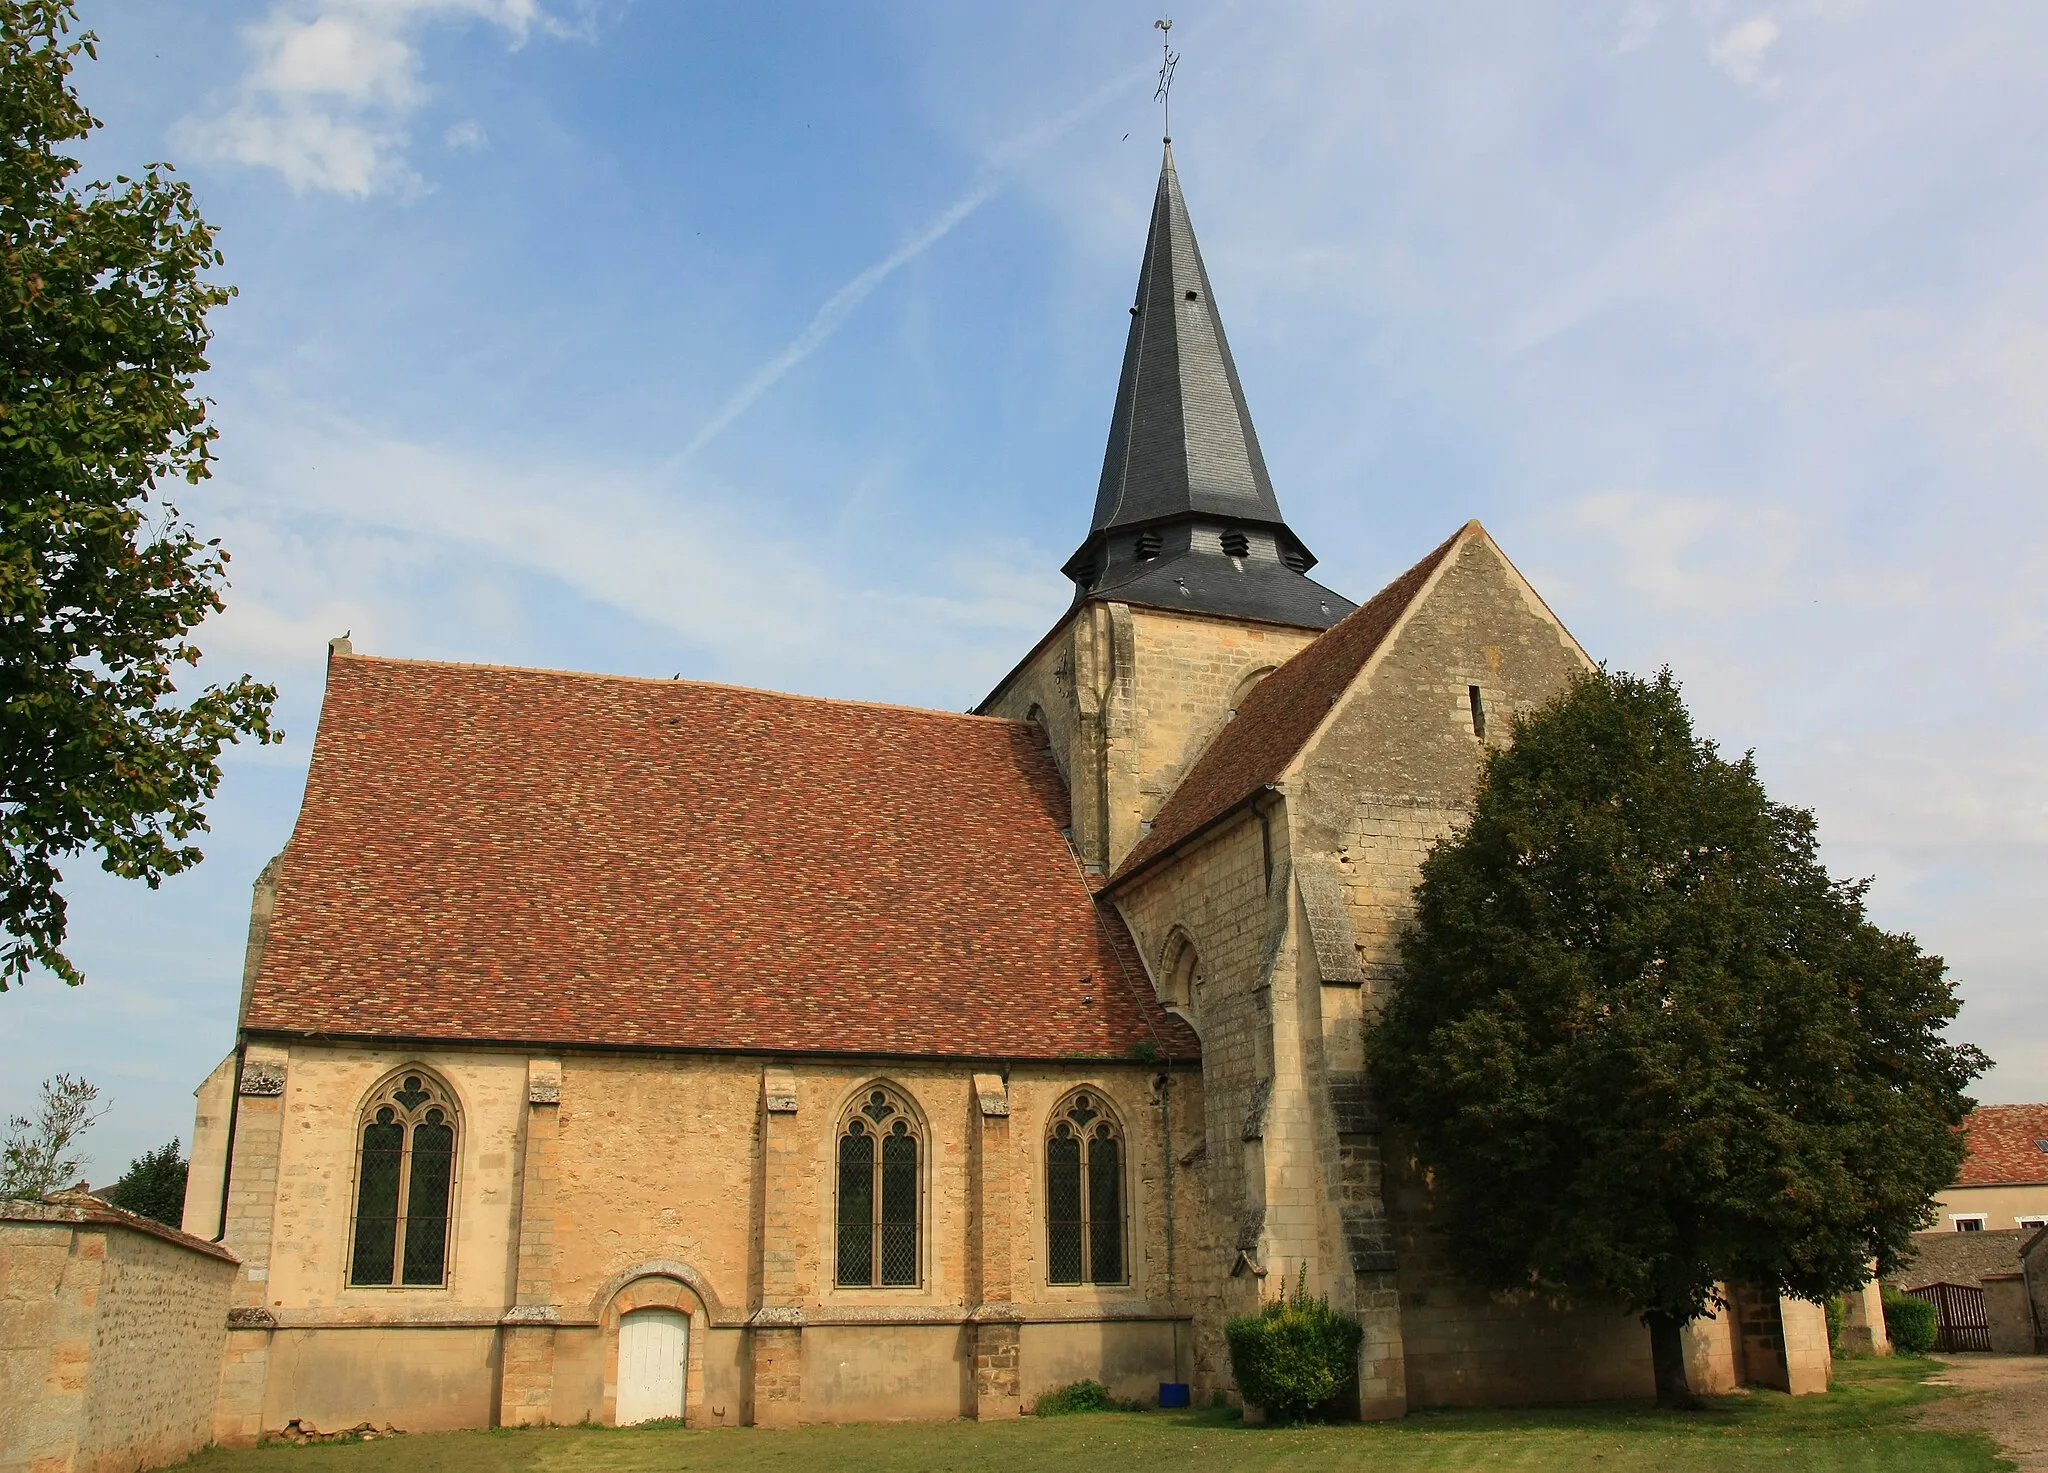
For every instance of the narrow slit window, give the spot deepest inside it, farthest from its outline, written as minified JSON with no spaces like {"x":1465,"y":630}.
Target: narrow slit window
{"x":1478,"y":711}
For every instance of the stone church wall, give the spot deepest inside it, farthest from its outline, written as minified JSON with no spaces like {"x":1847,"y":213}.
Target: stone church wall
{"x":1466,"y":1347}
{"x":1390,"y":775}
{"x":208,"y":1158}
{"x":1395,"y":769}
{"x":1226,"y":895}
{"x":595,"y":1184}
{"x":1188,"y":669}
{"x":419,"y":1376}
{"x":1130,"y":696}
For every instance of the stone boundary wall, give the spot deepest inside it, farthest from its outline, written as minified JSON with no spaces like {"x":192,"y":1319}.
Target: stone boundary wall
{"x":111,"y":1331}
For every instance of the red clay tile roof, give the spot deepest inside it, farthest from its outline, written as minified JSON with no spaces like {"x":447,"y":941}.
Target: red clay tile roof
{"x":1279,"y":715}
{"x":2008,"y":1146}
{"x":542,"y":858}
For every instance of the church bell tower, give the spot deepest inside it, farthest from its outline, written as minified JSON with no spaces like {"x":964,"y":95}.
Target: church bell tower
{"x":1189,"y":586}
{"x":1185,"y":516}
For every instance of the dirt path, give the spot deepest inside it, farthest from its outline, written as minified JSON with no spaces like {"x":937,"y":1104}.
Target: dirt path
{"x":2004,"y":1395}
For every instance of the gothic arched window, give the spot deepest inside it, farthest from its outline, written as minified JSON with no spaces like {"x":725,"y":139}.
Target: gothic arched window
{"x":405,"y":1178}
{"x":878,"y":1192}
{"x":1084,"y":1194}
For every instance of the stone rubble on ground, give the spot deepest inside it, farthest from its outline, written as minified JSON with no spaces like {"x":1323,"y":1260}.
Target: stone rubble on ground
{"x":302,"y":1433}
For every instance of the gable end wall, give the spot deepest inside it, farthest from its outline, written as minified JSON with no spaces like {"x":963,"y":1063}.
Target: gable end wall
{"x":1389,"y":775}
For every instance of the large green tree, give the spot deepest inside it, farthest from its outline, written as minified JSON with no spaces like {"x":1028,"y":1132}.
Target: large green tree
{"x":104,"y":294}
{"x":154,"y":1184}
{"x":1644,"y":1044}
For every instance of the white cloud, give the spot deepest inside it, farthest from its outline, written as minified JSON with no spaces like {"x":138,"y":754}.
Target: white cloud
{"x":466,"y":134}
{"x":332,"y":84}
{"x":1742,"y":50}
{"x":364,"y":543}
{"x":1695,"y":555}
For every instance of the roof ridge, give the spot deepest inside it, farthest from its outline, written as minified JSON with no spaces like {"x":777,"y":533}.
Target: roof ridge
{"x":752,"y":690}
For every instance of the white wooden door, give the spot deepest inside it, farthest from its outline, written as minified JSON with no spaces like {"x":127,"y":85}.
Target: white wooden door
{"x":654,"y":1350}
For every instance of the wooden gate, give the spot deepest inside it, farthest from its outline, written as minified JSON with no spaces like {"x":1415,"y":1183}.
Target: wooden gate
{"x":1960,"y":1321}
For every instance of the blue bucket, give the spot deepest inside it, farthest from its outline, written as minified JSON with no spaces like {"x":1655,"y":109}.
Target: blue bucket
{"x":1172,"y":1394}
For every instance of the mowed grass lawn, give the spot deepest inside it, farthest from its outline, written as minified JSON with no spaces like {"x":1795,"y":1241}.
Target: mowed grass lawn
{"x":1866,"y":1424}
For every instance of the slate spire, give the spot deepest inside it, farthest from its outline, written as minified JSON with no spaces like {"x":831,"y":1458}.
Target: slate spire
{"x":1185,"y":516}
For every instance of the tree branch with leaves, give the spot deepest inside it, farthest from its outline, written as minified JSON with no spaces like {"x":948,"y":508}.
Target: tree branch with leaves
{"x":104,"y":296}
{"x":38,"y":1155}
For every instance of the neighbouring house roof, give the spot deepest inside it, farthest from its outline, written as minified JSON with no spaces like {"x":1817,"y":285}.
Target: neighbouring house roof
{"x":2008,"y":1146}
{"x":1279,"y":715}
{"x":526,"y":856}
{"x":1961,"y":1258}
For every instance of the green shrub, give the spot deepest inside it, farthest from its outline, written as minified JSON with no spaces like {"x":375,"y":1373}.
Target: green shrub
{"x":1295,"y":1356}
{"x":1082,"y":1396}
{"x":1834,"y":1313}
{"x":1908,"y":1322}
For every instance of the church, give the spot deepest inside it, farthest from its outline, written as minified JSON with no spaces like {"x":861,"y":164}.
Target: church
{"x":616,"y":1049}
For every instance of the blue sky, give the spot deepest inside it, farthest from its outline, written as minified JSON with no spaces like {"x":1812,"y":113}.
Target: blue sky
{"x":776,"y":344}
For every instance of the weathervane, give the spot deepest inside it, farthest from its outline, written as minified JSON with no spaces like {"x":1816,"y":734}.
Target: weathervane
{"x":1168,"y":60}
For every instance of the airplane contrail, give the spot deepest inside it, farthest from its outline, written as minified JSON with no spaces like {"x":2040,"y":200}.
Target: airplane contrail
{"x":832,"y":314}
{"x":839,"y":306}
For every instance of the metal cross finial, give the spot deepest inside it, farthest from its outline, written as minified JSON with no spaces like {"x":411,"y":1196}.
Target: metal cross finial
{"x":1168,"y":60}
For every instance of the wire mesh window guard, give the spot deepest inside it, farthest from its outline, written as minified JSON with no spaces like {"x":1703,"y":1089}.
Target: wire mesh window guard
{"x":878,"y":1195}
{"x":405,"y":1179}
{"x":1084,"y":1196}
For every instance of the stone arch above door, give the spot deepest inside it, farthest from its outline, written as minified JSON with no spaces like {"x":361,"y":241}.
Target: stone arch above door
{"x":603,"y":1304}
{"x":659,"y":1285}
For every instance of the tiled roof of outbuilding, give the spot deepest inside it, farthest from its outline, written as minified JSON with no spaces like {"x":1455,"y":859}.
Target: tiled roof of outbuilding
{"x":525,"y":856}
{"x":1280,"y":714}
{"x":2008,"y":1146}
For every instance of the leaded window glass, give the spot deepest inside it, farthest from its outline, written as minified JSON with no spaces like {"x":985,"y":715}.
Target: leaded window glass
{"x":878,"y":1193}
{"x":1084,"y":1195}
{"x":405,"y":1180}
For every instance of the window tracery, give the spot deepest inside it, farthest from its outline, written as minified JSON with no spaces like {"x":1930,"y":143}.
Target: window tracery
{"x":1084,"y":1194}
{"x":879,"y":1146}
{"x":405,"y":1178}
